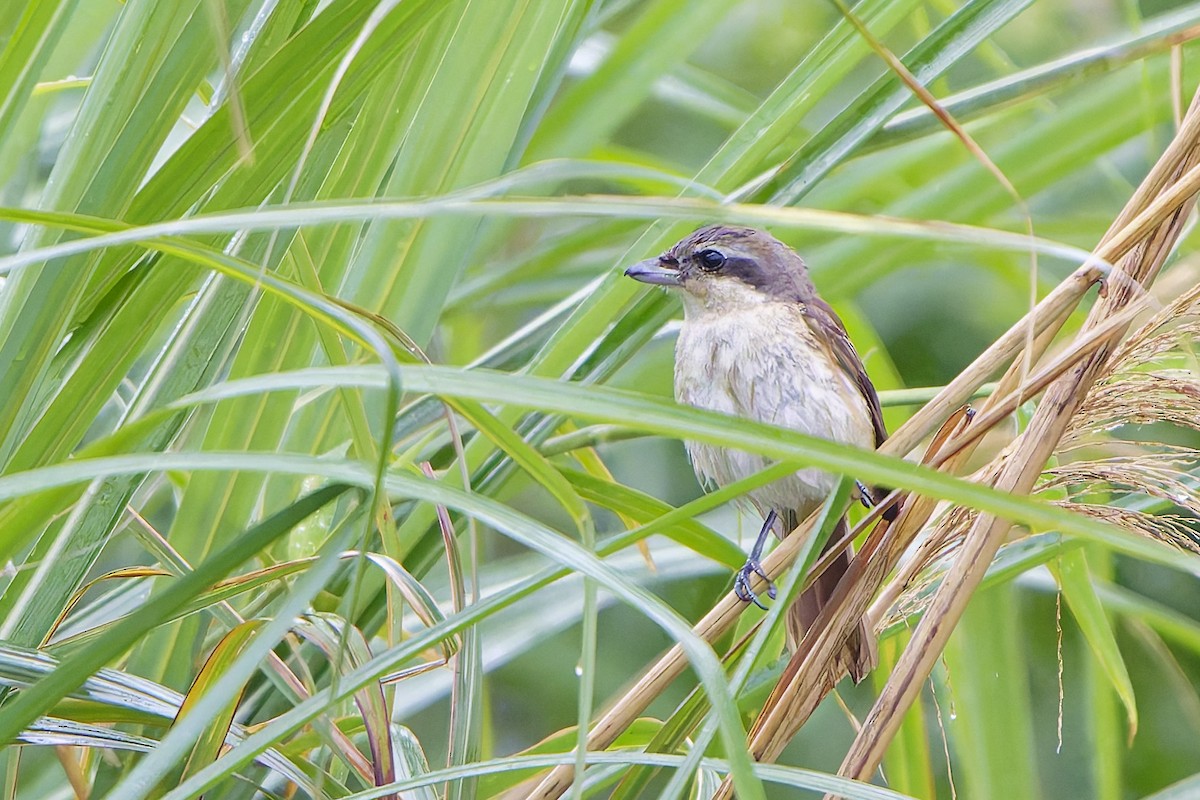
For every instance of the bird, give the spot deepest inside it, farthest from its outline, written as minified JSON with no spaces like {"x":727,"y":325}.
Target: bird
{"x":758,"y":342}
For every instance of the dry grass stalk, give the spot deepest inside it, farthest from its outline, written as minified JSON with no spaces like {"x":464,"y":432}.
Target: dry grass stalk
{"x":952,"y":526}
{"x":1021,"y":470}
{"x":1147,"y":208}
{"x":1005,"y":400}
{"x":933,"y":546}
{"x":1162,"y":475}
{"x":1140,"y":399}
{"x":1168,"y":528}
{"x":1048,"y":315}
{"x":913,"y":575}
{"x":908,"y":594}
{"x":1131,"y":394}
{"x":1127,"y":394}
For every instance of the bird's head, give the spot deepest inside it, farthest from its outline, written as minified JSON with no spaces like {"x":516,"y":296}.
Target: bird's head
{"x":723,"y":269}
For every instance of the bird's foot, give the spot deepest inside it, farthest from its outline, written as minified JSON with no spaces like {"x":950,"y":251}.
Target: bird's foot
{"x":741,"y":583}
{"x":864,"y":495}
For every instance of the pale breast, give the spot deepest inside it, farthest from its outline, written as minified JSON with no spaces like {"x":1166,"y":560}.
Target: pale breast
{"x":763,"y":364}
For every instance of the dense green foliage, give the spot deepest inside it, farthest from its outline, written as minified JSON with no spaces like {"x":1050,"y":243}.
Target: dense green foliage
{"x":234,"y":233}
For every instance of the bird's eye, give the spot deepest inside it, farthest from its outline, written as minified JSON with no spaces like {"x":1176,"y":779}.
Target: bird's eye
{"x":710,"y":260}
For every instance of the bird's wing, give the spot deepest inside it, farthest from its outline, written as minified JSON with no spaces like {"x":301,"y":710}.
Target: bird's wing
{"x":830,"y":331}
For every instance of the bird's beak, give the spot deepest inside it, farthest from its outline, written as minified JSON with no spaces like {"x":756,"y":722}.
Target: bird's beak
{"x":653,"y":271}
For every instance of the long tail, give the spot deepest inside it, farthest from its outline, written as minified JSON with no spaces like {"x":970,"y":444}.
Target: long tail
{"x":859,"y":655}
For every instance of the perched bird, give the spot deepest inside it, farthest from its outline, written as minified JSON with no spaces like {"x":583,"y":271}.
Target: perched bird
{"x":758,"y":342}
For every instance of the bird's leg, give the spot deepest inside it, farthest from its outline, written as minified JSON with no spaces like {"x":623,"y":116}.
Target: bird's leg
{"x":864,"y":495}
{"x":741,"y":582}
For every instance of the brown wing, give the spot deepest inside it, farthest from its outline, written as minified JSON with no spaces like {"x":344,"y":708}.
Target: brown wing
{"x":830,"y":331}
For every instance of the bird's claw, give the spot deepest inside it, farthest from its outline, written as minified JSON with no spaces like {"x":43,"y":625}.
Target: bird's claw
{"x":741,"y":583}
{"x":864,"y":495}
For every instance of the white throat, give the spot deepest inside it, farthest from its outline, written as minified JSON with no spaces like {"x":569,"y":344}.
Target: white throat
{"x":702,"y":298}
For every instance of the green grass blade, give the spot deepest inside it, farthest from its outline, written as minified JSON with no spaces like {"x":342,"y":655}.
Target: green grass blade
{"x":1075,"y":579}
{"x":992,"y":728}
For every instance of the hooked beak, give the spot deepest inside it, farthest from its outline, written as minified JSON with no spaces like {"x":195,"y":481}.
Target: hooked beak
{"x":653,"y":271}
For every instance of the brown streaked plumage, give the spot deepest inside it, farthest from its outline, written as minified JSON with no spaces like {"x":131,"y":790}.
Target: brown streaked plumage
{"x":758,"y":342}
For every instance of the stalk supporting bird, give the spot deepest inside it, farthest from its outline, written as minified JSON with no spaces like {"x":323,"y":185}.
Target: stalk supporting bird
{"x":758,"y":342}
